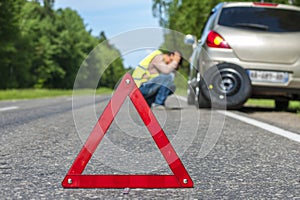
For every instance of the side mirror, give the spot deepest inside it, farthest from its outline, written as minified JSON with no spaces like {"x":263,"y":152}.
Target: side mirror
{"x":190,"y":40}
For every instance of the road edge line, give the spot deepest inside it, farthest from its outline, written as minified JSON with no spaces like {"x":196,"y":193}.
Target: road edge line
{"x":270,"y":128}
{"x":8,"y":108}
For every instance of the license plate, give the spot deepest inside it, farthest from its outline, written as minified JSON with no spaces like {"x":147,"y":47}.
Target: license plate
{"x":268,"y":76}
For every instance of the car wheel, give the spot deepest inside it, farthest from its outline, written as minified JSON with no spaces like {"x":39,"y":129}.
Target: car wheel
{"x":190,"y":95}
{"x":228,"y":86}
{"x":281,"y":104}
{"x":200,"y":100}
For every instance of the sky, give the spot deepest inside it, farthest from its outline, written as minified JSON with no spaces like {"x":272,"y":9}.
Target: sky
{"x":116,"y":18}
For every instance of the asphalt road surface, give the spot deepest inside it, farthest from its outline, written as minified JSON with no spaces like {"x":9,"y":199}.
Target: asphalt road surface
{"x":226,"y":158}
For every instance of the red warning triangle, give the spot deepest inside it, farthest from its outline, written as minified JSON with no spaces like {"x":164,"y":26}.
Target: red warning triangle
{"x":180,"y":177}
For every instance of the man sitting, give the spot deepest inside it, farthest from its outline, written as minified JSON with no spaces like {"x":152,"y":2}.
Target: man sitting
{"x":155,"y":76}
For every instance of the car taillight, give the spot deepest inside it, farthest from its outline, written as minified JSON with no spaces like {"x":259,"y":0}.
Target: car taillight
{"x":216,"y":41}
{"x":265,"y":4}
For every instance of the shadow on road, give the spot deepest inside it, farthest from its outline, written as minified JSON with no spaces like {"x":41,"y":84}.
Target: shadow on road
{"x":257,"y":109}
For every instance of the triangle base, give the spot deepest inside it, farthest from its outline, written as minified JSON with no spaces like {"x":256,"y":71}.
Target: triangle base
{"x":125,"y":181}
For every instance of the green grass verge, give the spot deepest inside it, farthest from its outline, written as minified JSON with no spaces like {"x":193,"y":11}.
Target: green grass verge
{"x":295,"y":105}
{"x":14,"y":94}
{"x":268,"y":103}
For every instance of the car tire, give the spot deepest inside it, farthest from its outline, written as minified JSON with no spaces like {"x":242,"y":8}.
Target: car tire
{"x":228,"y":86}
{"x":190,"y":95}
{"x":200,"y":100}
{"x":281,"y":104}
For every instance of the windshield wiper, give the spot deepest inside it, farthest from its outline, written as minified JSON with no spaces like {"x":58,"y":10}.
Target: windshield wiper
{"x":253,"y":26}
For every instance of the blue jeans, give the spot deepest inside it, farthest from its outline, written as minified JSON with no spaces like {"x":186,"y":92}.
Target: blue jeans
{"x":158,"y":89}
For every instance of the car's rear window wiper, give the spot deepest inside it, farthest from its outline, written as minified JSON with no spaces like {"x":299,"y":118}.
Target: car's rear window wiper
{"x":253,"y":26}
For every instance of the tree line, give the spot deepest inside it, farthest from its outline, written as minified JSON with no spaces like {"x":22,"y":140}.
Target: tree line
{"x":41,"y":47}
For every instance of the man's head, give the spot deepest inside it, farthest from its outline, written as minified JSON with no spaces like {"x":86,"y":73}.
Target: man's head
{"x":173,"y":56}
{"x":177,"y":56}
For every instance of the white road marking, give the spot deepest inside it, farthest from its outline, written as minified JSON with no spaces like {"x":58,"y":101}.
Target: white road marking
{"x":273,"y":129}
{"x":8,"y":108}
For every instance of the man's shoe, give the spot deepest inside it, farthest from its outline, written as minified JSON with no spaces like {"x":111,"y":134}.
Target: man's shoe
{"x":158,"y":107}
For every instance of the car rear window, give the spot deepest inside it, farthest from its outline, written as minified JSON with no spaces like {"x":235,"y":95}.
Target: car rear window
{"x":266,"y":19}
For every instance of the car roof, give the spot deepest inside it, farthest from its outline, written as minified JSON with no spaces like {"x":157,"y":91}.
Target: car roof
{"x":259,"y":4}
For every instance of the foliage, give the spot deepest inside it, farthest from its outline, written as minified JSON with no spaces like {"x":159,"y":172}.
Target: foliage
{"x":9,"y":33}
{"x":104,"y":64}
{"x":44,"y":48}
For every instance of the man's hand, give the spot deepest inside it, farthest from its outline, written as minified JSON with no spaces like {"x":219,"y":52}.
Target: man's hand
{"x":177,"y":57}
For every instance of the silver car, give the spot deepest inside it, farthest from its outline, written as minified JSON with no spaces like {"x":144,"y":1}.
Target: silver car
{"x":246,"y":50}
